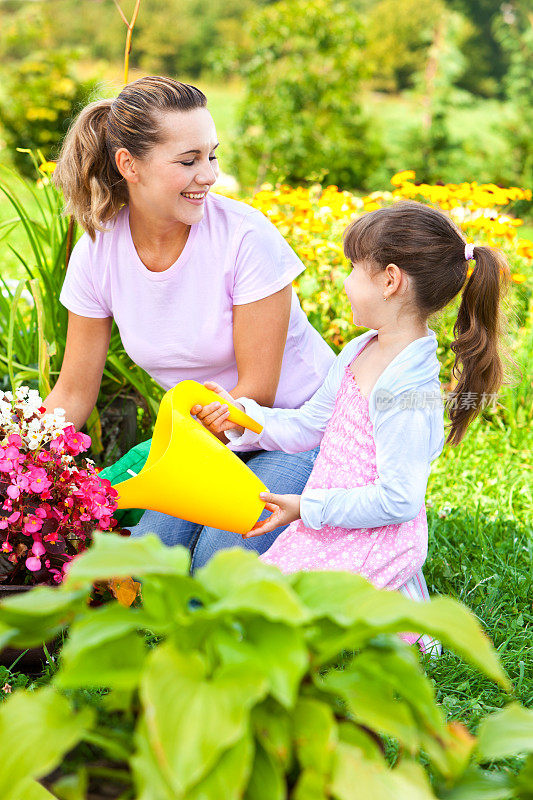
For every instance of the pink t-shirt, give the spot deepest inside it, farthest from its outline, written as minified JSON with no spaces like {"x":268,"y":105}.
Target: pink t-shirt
{"x":178,"y":324}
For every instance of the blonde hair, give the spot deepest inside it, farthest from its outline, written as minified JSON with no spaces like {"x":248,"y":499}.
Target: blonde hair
{"x":93,"y":188}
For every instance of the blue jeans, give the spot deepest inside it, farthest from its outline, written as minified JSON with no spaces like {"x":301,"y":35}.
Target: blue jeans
{"x":283,"y":473}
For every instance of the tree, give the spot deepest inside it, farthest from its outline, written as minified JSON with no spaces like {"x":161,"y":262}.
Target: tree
{"x":301,"y":119}
{"x":399,"y":35}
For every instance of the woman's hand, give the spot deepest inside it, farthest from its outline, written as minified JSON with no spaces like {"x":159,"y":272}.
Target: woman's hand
{"x":285,"y":509}
{"x":214,"y":416}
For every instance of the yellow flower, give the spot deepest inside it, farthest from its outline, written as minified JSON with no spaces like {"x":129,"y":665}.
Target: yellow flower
{"x":402,"y":177}
{"x":47,"y":167}
{"x":517,"y":277}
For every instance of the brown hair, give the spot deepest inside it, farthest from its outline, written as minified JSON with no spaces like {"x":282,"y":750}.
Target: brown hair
{"x":429,"y":247}
{"x":93,"y":188}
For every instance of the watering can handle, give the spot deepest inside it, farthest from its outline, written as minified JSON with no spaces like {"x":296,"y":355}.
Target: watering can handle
{"x":192,"y":393}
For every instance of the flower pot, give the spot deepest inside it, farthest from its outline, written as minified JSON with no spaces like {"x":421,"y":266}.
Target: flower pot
{"x":32,"y":658}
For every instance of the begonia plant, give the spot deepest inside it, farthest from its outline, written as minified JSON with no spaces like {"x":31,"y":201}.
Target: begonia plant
{"x":49,"y":503}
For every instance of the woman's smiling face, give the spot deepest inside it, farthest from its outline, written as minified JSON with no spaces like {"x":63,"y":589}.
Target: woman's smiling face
{"x":172,"y":182}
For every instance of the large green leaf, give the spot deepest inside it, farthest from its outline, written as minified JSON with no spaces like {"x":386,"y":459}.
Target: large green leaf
{"x":311,"y":785}
{"x":373,"y":704}
{"x":508,"y":732}
{"x":354,"y":776}
{"x":273,"y":649}
{"x":114,"y":556}
{"x":315,"y":735}
{"x":230,"y":775}
{"x":273,"y":601}
{"x":116,"y":664}
{"x":272,"y":726}
{"x":192,"y":717}
{"x":233,"y":568}
{"x":351,"y":602}
{"x":267,"y":781}
{"x":36,"y":730}
{"x":40,"y":614}
{"x":397,"y":666}
{"x":475,"y":784}
{"x":243,"y":584}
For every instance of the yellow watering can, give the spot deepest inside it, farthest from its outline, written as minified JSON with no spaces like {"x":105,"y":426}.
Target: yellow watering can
{"x":189,"y":473}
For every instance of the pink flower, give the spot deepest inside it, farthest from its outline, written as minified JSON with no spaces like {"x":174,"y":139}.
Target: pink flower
{"x":5,"y":465}
{"x":38,"y":549}
{"x":44,"y":456}
{"x":11,"y":452}
{"x":6,"y":547}
{"x":39,"y":480}
{"x":13,"y":492}
{"x":41,"y":512}
{"x":33,"y":564}
{"x":33,"y":524}
{"x":14,"y":439}
{"x":75,"y":441}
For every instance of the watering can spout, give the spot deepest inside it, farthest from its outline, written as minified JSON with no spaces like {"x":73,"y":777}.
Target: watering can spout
{"x":189,"y":473}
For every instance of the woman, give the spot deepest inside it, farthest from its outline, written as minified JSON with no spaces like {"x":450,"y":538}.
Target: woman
{"x":198,"y":284}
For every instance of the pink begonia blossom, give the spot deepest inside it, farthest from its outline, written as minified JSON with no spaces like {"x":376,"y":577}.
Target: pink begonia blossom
{"x":33,"y":563}
{"x":6,"y":547}
{"x":38,"y":549}
{"x":5,"y":521}
{"x":12,"y":452}
{"x":39,"y":480}
{"x":15,"y":439}
{"x":41,"y":512}
{"x":33,"y":524}
{"x":44,"y":456}
{"x":5,"y":465}
{"x":13,"y":492}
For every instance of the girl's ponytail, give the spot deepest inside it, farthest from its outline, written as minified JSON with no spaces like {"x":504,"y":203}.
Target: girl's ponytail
{"x":92,"y":187}
{"x":478,"y":366}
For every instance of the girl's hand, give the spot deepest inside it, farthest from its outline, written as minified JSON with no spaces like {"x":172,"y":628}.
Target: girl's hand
{"x":214,"y":416}
{"x":285,"y":508}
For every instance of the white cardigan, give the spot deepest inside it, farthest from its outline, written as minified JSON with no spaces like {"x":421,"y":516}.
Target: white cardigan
{"x":406,"y":411}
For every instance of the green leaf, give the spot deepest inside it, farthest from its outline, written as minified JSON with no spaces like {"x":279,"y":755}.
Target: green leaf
{"x":113,"y":556}
{"x":523,"y":782}
{"x":315,"y":735}
{"x":273,"y":649}
{"x":40,"y":614}
{"x":475,"y":784}
{"x":353,"y":734}
{"x":264,"y":598}
{"x":372,"y":779}
{"x":116,"y":664}
{"x":351,"y":602}
{"x":267,"y":781}
{"x":192,"y":717}
{"x":373,"y":705}
{"x":229,"y":777}
{"x":72,"y":787}
{"x":272,"y":727}
{"x":36,"y":729}
{"x":508,"y":732}
{"x":311,"y":785}
{"x":229,"y":570}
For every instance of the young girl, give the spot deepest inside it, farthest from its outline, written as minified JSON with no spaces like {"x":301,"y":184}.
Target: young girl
{"x":379,"y":416}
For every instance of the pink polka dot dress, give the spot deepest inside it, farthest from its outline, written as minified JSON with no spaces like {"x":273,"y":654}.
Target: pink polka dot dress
{"x":388,"y":556}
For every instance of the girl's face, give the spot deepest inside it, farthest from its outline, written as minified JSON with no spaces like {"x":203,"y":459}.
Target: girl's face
{"x":364,"y":290}
{"x":174,"y":179}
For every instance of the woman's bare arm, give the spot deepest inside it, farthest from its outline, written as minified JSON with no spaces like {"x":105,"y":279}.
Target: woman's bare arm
{"x":77,"y":386}
{"x":259,"y":337}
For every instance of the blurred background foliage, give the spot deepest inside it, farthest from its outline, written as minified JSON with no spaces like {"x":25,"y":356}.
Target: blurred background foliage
{"x":441,"y":86}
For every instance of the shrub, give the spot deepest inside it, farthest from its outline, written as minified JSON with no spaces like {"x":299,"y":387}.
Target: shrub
{"x":262,"y":686}
{"x":306,"y":63}
{"x":41,"y":95}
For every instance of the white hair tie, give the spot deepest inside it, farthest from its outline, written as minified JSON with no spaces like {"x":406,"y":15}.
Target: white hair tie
{"x":469,"y":251}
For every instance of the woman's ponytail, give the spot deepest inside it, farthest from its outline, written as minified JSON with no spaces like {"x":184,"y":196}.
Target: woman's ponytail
{"x":92,"y":187}
{"x":478,"y":366}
